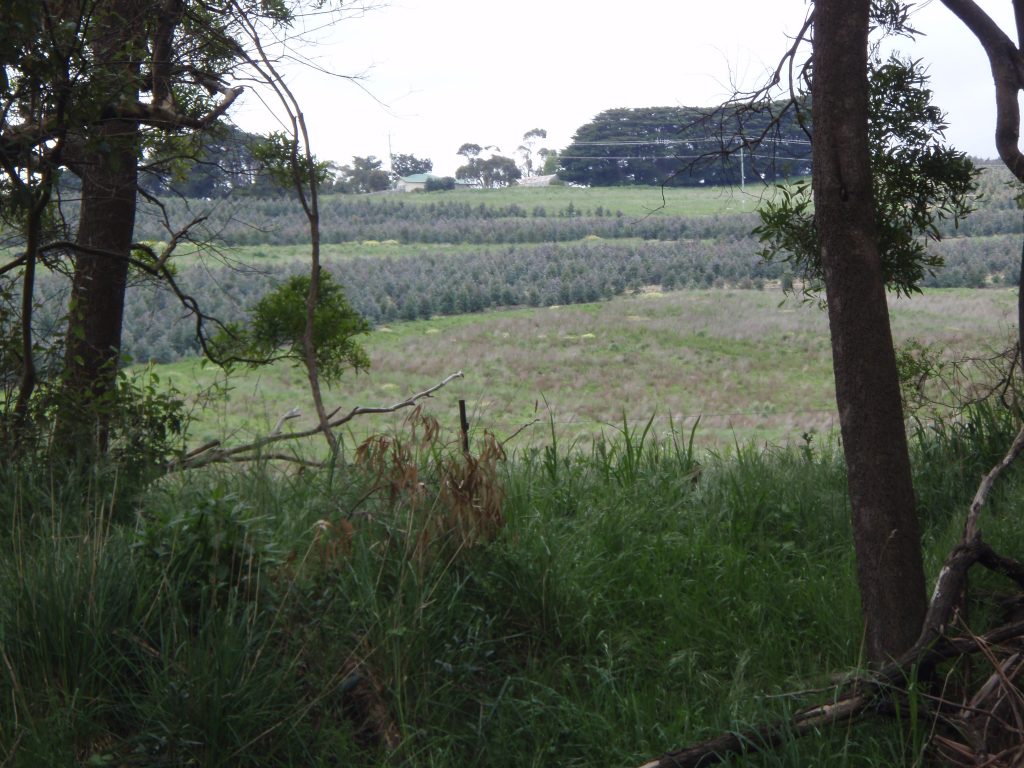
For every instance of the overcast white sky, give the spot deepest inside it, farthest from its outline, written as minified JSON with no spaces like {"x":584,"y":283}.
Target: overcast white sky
{"x":439,"y":73}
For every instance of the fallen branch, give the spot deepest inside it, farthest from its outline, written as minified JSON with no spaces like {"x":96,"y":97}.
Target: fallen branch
{"x":862,"y":696}
{"x":870,"y":692}
{"x":212,"y":452}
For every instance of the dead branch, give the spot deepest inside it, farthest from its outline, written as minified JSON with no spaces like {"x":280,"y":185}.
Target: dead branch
{"x":950,"y":582}
{"x":872,"y":691}
{"x":522,"y":427}
{"x":294,"y":413}
{"x":213,"y":453}
{"x":971,"y":526}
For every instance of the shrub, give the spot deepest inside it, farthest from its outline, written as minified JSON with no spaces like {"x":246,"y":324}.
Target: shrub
{"x":435,"y":184}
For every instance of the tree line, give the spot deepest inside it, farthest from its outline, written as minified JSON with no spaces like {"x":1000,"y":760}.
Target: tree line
{"x":687,"y":146}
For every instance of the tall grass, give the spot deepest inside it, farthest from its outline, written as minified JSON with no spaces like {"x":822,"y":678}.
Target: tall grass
{"x":639,"y":595}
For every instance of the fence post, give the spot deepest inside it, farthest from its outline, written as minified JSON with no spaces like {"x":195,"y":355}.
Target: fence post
{"x":464,"y":424}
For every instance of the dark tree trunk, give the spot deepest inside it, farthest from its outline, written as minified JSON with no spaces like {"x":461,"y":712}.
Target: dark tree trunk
{"x":106,"y":224}
{"x":886,"y":535}
{"x":108,"y":168}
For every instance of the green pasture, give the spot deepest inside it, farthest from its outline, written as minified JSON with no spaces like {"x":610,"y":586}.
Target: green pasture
{"x":631,"y":201}
{"x":748,"y":367}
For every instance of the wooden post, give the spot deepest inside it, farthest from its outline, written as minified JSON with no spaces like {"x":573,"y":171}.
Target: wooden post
{"x":464,"y":424}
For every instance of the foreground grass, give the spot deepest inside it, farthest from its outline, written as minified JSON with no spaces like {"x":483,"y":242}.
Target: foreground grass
{"x":638,"y":596}
{"x":746,"y":367}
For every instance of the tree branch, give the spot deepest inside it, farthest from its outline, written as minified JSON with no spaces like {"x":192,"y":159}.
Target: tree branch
{"x":167,"y":116}
{"x":1007,"y":74}
{"x":212,"y":453}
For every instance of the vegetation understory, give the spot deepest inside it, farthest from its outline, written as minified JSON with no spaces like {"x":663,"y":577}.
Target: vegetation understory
{"x":420,"y":606}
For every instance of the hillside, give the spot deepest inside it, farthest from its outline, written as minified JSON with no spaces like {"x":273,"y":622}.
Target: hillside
{"x":415,"y":256}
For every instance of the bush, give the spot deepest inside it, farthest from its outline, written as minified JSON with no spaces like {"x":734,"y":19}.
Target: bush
{"x":435,"y":184}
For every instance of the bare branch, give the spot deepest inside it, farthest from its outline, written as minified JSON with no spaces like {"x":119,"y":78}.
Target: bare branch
{"x":211,"y":453}
{"x":294,"y":413}
{"x":14,"y":264}
{"x":166,"y":116}
{"x":759,"y":101}
{"x":980,"y":496}
{"x":306,"y":184}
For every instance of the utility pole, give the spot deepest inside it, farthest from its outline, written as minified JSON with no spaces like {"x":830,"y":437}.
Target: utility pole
{"x":743,"y":180}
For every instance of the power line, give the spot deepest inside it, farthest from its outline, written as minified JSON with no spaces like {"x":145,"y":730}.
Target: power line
{"x":806,"y":158}
{"x":683,"y":141}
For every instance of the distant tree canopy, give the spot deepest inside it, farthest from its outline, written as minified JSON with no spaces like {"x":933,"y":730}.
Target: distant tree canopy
{"x":408,"y":165}
{"x":549,"y":159}
{"x":496,"y":171}
{"x":365,"y":174}
{"x":220,"y":162}
{"x":683,"y":146}
{"x":525,"y":150}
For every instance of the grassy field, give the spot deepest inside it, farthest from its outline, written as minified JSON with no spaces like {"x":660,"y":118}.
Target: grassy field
{"x":746,"y":367}
{"x":631,"y":201}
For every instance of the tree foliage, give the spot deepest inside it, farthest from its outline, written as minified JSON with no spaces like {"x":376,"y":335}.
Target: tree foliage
{"x":213,"y":164}
{"x":919,"y":182}
{"x":439,"y":184}
{"x":104,"y":93}
{"x":278,"y":324}
{"x":408,"y":165}
{"x":276,"y":154}
{"x":364,"y":174}
{"x":496,"y":171}
{"x":525,"y":149}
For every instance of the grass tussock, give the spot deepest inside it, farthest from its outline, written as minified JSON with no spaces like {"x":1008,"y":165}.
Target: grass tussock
{"x":418,"y":606}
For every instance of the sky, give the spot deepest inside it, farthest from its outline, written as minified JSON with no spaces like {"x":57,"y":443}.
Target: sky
{"x":423,"y":77}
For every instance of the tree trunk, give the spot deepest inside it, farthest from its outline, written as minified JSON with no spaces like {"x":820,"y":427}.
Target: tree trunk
{"x":105,"y":228}
{"x":885,"y":529}
{"x":109,"y":173}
